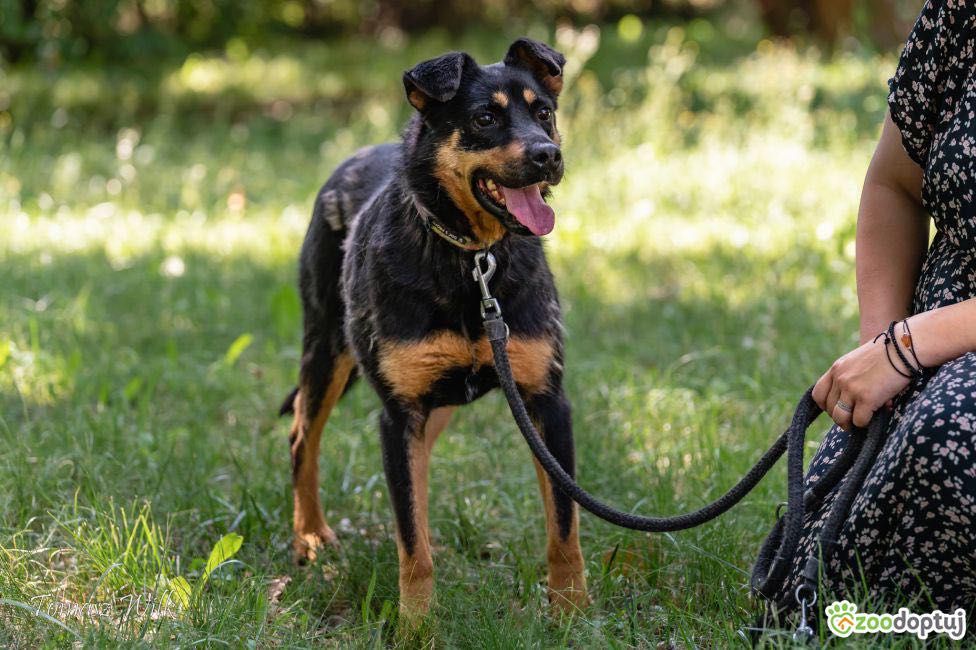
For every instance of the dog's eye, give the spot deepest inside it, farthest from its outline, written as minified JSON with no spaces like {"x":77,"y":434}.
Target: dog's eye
{"x":544,"y":114}
{"x":484,"y":120}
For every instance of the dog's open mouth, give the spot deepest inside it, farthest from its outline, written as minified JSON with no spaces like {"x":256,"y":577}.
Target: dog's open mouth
{"x":523,"y":203}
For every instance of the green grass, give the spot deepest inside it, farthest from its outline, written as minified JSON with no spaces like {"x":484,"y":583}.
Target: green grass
{"x":149,"y":326}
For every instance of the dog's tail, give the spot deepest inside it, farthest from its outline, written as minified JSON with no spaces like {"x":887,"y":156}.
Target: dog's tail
{"x":288,"y":406}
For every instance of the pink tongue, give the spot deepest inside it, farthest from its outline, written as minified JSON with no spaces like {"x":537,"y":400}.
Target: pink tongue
{"x":528,"y":207}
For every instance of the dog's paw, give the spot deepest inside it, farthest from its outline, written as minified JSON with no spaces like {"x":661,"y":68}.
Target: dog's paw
{"x":414,"y":612}
{"x":416,"y":627}
{"x":568,"y":601}
{"x":305,"y":546}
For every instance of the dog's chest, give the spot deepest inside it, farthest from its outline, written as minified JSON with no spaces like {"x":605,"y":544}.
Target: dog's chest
{"x":458,"y":369}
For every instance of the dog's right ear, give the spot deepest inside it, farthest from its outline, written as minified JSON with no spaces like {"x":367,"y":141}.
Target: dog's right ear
{"x":436,"y":80}
{"x":545,"y":63}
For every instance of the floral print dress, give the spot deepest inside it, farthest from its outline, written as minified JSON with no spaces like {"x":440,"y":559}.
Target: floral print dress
{"x":910,"y":538}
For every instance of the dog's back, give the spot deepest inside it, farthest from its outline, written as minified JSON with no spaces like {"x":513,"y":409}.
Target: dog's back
{"x":337,"y":204}
{"x":352,"y":184}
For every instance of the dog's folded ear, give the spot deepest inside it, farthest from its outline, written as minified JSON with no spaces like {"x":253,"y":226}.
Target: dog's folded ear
{"x":545,"y":63}
{"x":436,"y":80}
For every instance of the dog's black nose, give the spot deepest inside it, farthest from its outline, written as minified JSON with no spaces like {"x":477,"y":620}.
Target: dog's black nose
{"x":547,"y":157}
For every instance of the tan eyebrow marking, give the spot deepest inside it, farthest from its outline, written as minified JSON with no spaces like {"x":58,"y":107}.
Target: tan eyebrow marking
{"x":529,"y":96}
{"x":501,"y":98}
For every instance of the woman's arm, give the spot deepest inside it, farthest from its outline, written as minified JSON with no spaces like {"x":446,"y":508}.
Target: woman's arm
{"x":892,"y":234}
{"x":945,"y":333}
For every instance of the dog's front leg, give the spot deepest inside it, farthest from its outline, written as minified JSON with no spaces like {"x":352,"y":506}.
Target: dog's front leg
{"x":567,"y":582}
{"x":408,"y":437}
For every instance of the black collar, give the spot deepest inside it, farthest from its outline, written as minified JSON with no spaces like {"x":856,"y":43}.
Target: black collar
{"x":434,"y":225}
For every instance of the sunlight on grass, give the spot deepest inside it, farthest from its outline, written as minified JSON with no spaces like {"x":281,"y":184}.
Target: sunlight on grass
{"x":115,"y":571}
{"x":122,"y":235}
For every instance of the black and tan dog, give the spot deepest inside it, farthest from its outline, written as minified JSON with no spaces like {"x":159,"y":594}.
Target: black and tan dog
{"x":386,"y":286}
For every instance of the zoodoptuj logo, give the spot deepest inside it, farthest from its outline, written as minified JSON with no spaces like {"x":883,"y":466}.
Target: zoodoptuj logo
{"x":843,"y":619}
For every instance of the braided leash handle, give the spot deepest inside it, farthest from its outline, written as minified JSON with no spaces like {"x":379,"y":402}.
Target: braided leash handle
{"x":778,"y":552}
{"x":806,"y":412}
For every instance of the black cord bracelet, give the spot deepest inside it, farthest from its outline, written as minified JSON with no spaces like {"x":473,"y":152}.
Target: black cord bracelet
{"x":909,"y":342}
{"x":916,"y":373}
{"x":887,"y":341}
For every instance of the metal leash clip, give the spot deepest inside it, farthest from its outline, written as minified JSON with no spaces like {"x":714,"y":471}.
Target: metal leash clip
{"x":804,"y":633}
{"x":489,"y":306}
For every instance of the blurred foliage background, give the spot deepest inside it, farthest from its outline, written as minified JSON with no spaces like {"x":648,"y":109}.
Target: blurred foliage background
{"x":53,"y":31}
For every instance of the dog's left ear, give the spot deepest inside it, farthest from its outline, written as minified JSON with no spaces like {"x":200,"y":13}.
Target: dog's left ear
{"x":436,"y":80}
{"x":545,"y":63}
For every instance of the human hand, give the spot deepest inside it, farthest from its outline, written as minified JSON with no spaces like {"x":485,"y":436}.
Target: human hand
{"x":858,"y":384}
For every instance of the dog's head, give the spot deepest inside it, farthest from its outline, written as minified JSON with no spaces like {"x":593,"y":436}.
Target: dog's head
{"x":491,"y":133}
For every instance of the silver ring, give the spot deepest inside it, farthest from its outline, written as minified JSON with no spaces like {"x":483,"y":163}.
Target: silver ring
{"x":844,"y":406}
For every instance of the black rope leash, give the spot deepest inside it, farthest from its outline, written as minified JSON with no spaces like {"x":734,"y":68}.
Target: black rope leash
{"x":779,"y":550}
{"x":792,"y":438}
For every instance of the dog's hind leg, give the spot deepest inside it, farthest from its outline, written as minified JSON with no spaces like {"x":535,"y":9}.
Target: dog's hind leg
{"x":567,"y":582}
{"x":408,"y":439}
{"x":326,"y":368}
{"x":323,"y":379}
